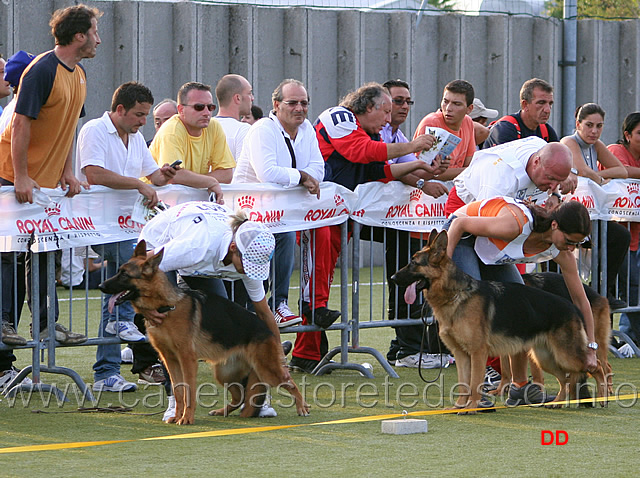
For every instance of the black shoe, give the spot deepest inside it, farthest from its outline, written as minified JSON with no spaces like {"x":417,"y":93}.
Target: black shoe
{"x":321,"y":316}
{"x":286,"y":347}
{"x":298,"y":364}
{"x":486,"y":405}
{"x":615,"y":303}
{"x":530,"y":394}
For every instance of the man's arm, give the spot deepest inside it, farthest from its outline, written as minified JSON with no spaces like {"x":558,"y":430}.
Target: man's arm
{"x":224,"y":175}
{"x":20,"y":138}
{"x":420,"y":143}
{"x":69,"y":179}
{"x":200,"y":181}
{"x":104,"y":177}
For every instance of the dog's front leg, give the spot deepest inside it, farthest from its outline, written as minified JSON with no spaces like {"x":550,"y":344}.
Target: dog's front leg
{"x":189,"y":367}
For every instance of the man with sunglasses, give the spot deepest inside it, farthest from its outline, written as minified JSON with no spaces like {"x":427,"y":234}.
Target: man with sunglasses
{"x":191,"y":136}
{"x":283,"y":149}
{"x":456,"y":104}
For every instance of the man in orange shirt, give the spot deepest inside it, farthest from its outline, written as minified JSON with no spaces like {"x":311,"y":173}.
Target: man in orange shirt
{"x":456,"y":104}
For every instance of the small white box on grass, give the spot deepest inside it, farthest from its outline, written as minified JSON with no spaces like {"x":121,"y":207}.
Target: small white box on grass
{"x":404,"y":426}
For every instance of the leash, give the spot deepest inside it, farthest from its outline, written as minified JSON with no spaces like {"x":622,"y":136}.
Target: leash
{"x":424,"y":332}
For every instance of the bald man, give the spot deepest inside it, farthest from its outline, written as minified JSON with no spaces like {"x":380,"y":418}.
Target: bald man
{"x":525,"y":169}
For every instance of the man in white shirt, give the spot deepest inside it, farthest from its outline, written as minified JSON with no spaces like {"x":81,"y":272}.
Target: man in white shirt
{"x":283,"y":149}
{"x":235,"y":96}
{"x":112,"y":152}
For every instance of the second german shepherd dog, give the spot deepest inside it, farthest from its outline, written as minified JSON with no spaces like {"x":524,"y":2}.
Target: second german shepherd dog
{"x":241,"y":347}
{"x":482,"y":318}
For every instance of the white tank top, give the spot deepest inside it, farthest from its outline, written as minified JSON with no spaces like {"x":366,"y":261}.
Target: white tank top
{"x":512,"y":252}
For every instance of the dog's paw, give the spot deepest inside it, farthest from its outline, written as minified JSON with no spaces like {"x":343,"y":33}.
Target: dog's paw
{"x":304,"y":410}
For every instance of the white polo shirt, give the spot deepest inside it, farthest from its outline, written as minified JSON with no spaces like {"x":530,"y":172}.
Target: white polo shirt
{"x":100,"y":145}
{"x":500,"y":171}
{"x":265,"y":157}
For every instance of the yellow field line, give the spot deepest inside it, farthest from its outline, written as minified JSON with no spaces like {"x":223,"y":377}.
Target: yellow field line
{"x":242,"y":431}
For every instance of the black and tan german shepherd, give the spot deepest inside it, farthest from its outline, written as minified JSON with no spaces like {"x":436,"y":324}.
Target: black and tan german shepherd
{"x":482,"y":318}
{"x":241,"y":347}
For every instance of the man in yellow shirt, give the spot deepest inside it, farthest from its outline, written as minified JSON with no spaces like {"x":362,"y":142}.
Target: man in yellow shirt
{"x":191,"y":136}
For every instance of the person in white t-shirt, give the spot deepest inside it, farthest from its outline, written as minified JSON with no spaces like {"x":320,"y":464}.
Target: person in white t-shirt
{"x":235,"y":96}
{"x":112,"y":152}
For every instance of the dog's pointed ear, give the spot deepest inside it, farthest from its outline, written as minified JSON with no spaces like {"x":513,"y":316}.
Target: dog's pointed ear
{"x":438,"y":247}
{"x":141,"y":249}
{"x":155,"y":260}
{"x":432,"y":236}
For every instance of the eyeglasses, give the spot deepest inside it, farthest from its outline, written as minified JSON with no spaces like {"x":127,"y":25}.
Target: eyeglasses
{"x":293,"y":103}
{"x":201,"y":107}
{"x":573,"y":243}
{"x":401,"y":101}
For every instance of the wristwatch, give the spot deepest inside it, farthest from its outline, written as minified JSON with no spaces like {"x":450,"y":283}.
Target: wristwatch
{"x":592,"y":345}
{"x":420,"y":183}
{"x":574,"y":171}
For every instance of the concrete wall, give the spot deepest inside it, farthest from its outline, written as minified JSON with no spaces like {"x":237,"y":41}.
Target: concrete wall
{"x":166,"y":44}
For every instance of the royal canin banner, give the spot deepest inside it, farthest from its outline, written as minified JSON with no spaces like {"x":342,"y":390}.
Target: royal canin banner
{"x":398,"y":206}
{"x":102,"y":215}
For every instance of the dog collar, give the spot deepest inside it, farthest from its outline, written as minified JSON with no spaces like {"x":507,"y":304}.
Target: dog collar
{"x":168,"y":308}
{"x":592,"y":345}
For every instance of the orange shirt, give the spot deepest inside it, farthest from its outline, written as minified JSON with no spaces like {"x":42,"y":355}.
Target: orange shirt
{"x":467,"y":145}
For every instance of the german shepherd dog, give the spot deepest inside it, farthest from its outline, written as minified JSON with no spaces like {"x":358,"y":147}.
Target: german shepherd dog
{"x":241,"y":347}
{"x":554,"y":283}
{"x":482,"y":318}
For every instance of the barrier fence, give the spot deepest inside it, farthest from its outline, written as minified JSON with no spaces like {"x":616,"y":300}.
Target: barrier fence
{"x":393,"y":214}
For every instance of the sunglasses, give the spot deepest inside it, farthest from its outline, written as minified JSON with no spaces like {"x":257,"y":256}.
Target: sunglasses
{"x":293,"y":103}
{"x":401,"y":101}
{"x":574,"y":243}
{"x":201,"y":107}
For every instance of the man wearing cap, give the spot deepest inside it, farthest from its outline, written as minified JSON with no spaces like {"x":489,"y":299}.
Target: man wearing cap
{"x":480,"y":114}
{"x":5,"y":88}
{"x":456,"y":104}
{"x":13,"y":70}
{"x":204,"y":239}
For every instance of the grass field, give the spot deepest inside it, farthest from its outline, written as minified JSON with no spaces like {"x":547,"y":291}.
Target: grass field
{"x":601,"y":441}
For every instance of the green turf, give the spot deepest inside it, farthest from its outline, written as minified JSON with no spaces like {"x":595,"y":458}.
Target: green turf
{"x":602,"y":441}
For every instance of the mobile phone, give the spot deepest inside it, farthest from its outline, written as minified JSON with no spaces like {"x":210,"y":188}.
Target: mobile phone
{"x":177,"y":162}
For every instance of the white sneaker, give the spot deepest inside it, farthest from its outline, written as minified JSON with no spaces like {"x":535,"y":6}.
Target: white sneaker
{"x":428,"y":361}
{"x":626,"y":351}
{"x":170,"y":412}
{"x":126,"y":355}
{"x":8,"y":375}
{"x":284,"y":317}
{"x":114,"y":383}
{"x":126,"y":330}
{"x":266,"y":410}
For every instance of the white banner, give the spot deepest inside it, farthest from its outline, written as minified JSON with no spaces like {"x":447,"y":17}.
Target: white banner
{"x":102,"y":215}
{"x":398,"y":206}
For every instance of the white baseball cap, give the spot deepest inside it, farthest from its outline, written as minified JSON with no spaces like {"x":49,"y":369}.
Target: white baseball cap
{"x":256,"y":244}
{"x":479,"y":109}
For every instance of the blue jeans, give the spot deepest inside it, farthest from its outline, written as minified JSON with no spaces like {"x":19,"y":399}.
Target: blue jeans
{"x":468,"y":261}
{"x":108,"y":356}
{"x":282,"y":263}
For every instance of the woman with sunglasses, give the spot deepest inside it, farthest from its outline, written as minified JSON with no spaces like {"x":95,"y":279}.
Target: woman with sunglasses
{"x":593,"y":160}
{"x":504,"y":231}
